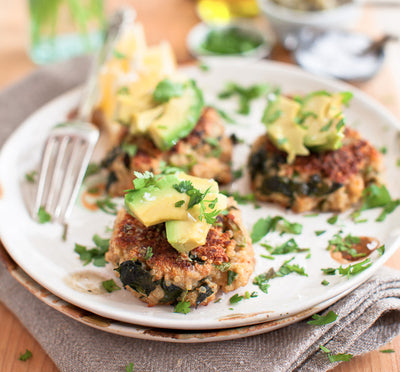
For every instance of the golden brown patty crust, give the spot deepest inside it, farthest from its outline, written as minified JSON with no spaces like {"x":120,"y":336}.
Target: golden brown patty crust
{"x":206,"y":152}
{"x":326,"y":181}
{"x":225,"y":262}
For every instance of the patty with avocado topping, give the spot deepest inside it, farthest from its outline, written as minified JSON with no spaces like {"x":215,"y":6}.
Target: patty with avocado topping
{"x":323,"y":181}
{"x":206,"y":152}
{"x":156,"y":273}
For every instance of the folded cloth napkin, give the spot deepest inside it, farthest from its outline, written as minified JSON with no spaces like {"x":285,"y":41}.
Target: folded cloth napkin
{"x":367,"y":318}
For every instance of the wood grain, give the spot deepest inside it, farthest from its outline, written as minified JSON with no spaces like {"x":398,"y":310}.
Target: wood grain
{"x":170,"y":20}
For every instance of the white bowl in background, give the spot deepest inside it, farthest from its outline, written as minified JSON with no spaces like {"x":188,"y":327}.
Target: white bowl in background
{"x":287,"y":22}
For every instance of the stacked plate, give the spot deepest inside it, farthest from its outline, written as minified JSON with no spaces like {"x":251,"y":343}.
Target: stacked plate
{"x":44,"y":260}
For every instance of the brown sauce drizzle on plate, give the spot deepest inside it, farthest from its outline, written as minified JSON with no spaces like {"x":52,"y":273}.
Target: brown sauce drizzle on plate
{"x":366,"y":246}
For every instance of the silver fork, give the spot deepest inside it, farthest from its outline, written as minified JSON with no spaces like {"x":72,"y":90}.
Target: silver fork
{"x":70,"y":145}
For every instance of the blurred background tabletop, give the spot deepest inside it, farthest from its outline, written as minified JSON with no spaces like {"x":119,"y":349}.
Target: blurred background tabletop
{"x":172,"y":20}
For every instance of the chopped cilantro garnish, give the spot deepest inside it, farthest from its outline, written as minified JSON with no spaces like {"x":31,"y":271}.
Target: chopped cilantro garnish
{"x":346,"y":97}
{"x":346,"y":244}
{"x":263,"y":279}
{"x":290,"y":246}
{"x":323,"y":319}
{"x":149,"y":253}
{"x":245,"y":94}
{"x":231,"y":276}
{"x":182,"y":307}
{"x":204,"y":67}
{"x":381,"y":250}
{"x":25,"y":356}
{"x":267,"y":257}
{"x":143,"y":180}
{"x":350,"y":270}
{"x":333,"y":358}
{"x":398,"y":162}
{"x":308,"y":256}
{"x":218,"y":300}
{"x":319,"y":232}
{"x":340,"y":124}
{"x":94,"y":254}
{"x":303,"y":116}
{"x":287,"y":269}
{"x":240,"y":198}
{"x":110,"y":285}
{"x":43,"y":215}
{"x":179,"y":203}
{"x":375,"y":196}
{"x":265,"y":225}
{"x":107,"y":205}
{"x":387,"y":209}
{"x":129,"y":367}
{"x":383,"y":150}
{"x":332,"y":220}
{"x":31,"y":176}
{"x":183,"y":186}
{"x":235,"y":299}
{"x":387,"y":351}
{"x":327,"y":126}
{"x":224,"y":115}
{"x":167,"y":89}
{"x":311,"y":215}
{"x":325,"y":282}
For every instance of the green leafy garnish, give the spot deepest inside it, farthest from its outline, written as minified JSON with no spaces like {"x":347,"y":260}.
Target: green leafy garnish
{"x":182,"y":307}
{"x":183,"y":187}
{"x":387,"y":351}
{"x":123,"y":90}
{"x":25,"y":356}
{"x":167,"y":89}
{"x":240,"y":198}
{"x":204,"y":67}
{"x":245,"y":94}
{"x":346,"y":244}
{"x":287,"y":269}
{"x":387,"y":209}
{"x":381,"y":250}
{"x":231,"y":276}
{"x":269,"y":224}
{"x":333,"y":358}
{"x":110,"y":285}
{"x":319,"y":232}
{"x":325,"y":282}
{"x":129,"y":367}
{"x":224,"y":266}
{"x":31,"y":176}
{"x":107,"y":205}
{"x":346,"y":97}
{"x":143,"y":180}
{"x":179,"y":203}
{"x":149,"y":253}
{"x":350,"y":270}
{"x":289,"y":246}
{"x":332,"y":220}
{"x":238,"y":173}
{"x":43,"y":215}
{"x":224,"y":115}
{"x":92,"y":169}
{"x":383,"y":150}
{"x":323,"y":319}
{"x":94,"y":254}
{"x":375,"y":196}
{"x":235,"y":299}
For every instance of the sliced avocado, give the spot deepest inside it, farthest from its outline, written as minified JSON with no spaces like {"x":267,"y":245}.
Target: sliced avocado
{"x":161,"y":202}
{"x":282,"y":130}
{"x":325,"y":128}
{"x":179,"y":118}
{"x":140,"y":121}
{"x":186,"y":235}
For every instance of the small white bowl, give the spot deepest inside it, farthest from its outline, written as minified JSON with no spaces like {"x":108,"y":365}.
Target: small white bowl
{"x":287,"y":22}
{"x":198,"y":35}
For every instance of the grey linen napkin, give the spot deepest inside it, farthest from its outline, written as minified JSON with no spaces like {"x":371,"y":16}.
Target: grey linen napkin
{"x":367,"y":318}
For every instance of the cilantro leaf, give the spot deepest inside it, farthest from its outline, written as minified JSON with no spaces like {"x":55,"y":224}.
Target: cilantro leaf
{"x":325,"y":282}
{"x":287,"y":269}
{"x":107,"y":205}
{"x":323,"y":319}
{"x":25,"y":356}
{"x":346,"y":97}
{"x":333,"y":358}
{"x":94,"y":254}
{"x":387,"y":351}
{"x":43,"y":215}
{"x":149,"y":253}
{"x":265,"y":225}
{"x":92,"y":169}
{"x":129,"y":367}
{"x":129,"y":148}
{"x":179,"y":203}
{"x":182,"y":307}
{"x":375,"y":196}
{"x":143,"y":180}
{"x":110,"y":285}
{"x":235,"y":299}
{"x":183,"y":187}
{"x":231,"y":277}
{"x":289,"y":246}
{"x":167,"y":89}
{"x":387,"y":209}
{"x":224,"y":266}
{"x":332,"y":220}
{"x":350,"y":270}
{"x":31,"y":176}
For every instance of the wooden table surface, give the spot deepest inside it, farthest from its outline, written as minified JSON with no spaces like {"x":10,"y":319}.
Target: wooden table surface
{"x":169,"y":20}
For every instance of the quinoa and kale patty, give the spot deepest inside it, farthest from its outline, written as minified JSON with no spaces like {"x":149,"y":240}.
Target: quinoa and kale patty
{"x":325,"y":181}
{"x":206,"y":152}
{"x":156,"y":273}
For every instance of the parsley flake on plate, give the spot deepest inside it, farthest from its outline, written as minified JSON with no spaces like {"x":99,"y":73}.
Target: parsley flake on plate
{"x":182,"y":307}
{"x":25,"y":356}
{"x":31,"y":176}
{"x":43,"y":215}
{"x":269,"y":224}
{"x":333,"y":358}
{"x":94,"y":254}
{"x":350,"y":270}
{"x":107,"y":205}
{"x":129,"y":367}
{"x":387,"y":351}
{"x":110,"y":285}
{"x":323,"y":319}
{"x":289,"y":246}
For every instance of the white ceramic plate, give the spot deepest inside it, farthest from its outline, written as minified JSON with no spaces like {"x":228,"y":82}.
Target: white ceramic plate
{"x":41,"y":253}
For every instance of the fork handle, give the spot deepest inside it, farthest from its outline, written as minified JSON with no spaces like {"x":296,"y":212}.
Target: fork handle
{"x":121,"y":19}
